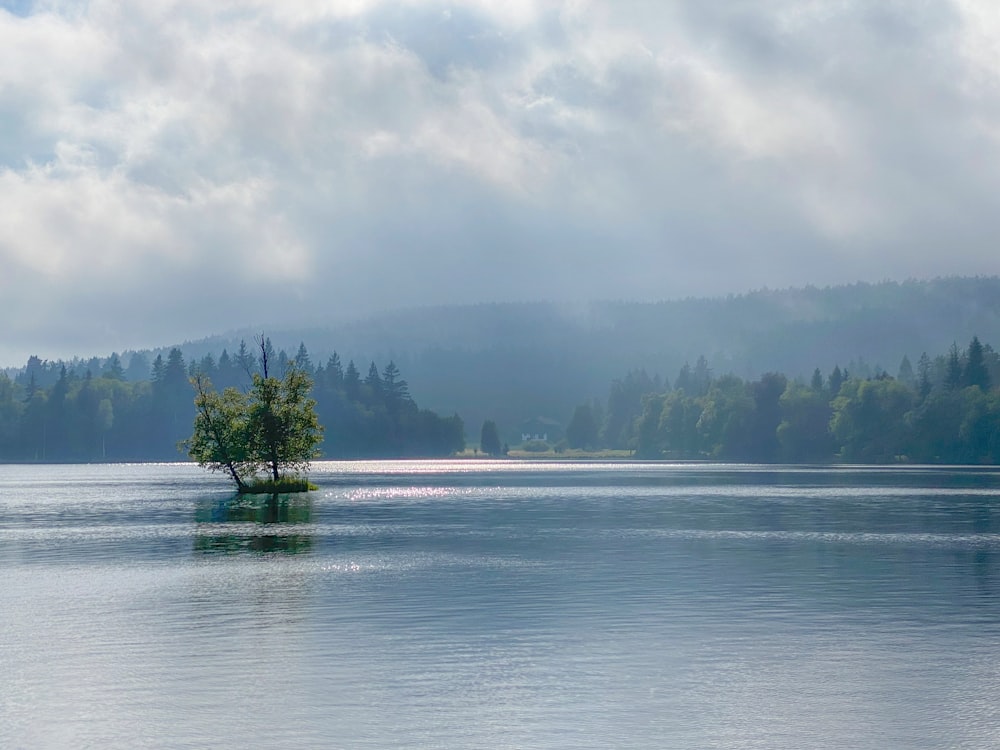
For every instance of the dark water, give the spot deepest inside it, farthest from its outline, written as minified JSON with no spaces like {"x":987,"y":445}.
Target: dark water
{"x":504,"y":605}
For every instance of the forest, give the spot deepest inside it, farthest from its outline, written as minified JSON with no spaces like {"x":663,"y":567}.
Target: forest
{"x":944,"y":409}
{"x":517,"y":362}
{"x":941,"y":409}
{"x":784,"y":375}
{"x":99,"y":410}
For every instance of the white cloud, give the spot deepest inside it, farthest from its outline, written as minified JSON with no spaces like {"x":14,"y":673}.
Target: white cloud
{"x":181,"y":157}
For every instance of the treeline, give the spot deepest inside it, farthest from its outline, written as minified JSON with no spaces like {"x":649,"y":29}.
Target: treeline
{"x":102,"y":411}
{"x":946,"y":410}
{"x":516,"y":362}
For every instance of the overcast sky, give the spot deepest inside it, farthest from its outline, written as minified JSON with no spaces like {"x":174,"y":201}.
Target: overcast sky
{"x":174,"y":168}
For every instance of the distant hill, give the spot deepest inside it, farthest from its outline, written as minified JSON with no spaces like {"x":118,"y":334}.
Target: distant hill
{"x":515,"y":362}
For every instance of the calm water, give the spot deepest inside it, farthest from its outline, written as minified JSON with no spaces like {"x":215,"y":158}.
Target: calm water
{"x":501,"y":605}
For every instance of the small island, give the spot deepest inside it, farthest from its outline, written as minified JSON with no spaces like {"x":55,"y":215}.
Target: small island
{"x":263,"y":439}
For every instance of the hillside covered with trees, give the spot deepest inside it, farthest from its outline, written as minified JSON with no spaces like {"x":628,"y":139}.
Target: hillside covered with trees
{"x":93,"y":411}
{"x":942,"y":410}
{"x":528,"y":362}
{"x":525,"y":367}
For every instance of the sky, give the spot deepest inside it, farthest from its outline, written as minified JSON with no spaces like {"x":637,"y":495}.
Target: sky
{"x":171,"y":169}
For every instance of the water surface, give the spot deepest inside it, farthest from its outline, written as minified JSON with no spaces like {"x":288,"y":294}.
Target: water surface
{"x":501,"y":605}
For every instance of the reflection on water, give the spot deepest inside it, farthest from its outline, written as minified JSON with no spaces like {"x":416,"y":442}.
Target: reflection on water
{"x":502,"y":605}
{"x":254,"y":523}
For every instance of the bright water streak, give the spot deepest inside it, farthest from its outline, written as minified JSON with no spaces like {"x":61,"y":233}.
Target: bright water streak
{"x":501,"y":605}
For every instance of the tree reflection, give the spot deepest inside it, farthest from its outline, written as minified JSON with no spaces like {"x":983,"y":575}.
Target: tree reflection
{"x":259,"y":524}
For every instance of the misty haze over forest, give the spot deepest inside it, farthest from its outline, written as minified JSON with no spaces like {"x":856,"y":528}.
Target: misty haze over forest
{"x":521,"y":363}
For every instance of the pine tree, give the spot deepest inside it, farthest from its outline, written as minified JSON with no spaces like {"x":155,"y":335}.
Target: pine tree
{"x":975,"y":373}
{"x":113,"y":369}
{"x":905,"y":374}
{"x":397,"y":390}
{"x":817,"y":380}
{"x":953,"y":369}
{"x":352,"y":381}
{"x":373,"y":380}
{"x":924,"y":384}
{"x":244,"y":360}
{"x":837,"y":379}
{"x":334,"y":372}
{"x":302,"y":359}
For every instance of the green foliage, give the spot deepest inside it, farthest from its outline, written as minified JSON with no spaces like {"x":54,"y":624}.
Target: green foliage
{"x":489,"y":439}
{"x":975,"y":372}
{"x":868,"y":420}
{"x":281,"y":486}
{"x":379,"y":417}
{"x":283,"y":431}
{"x":624,"y":406}
{"x":273,"y":428}
{"x":677,"y":431}
{"x":804,"y":431}
{"x":725,"y":422}
{"x":923,"y":418}
{"x":582,"y":431}
{"x":221,"y":439}
{"x":536,"y":446}
{"x":943,"y":409}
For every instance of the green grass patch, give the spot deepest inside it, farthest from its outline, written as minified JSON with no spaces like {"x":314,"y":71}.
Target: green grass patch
{"x":573,"y":454}
{"x":270,"y":487}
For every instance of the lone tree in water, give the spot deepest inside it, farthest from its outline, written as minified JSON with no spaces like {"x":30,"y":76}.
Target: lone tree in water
{"x":273,"y":428}
{"x":282,"y":426}
{"x":220,"y":439}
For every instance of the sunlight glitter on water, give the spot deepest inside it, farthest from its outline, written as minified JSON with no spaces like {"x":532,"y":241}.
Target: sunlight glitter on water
{"x":498,"y":604}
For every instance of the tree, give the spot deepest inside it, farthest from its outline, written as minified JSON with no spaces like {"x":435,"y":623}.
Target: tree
{"x":352,"y":381}
{"x":272,"y":428}
{"x":372,"y":379}
{"x":953,"y":373}
{"x":975,"y":366}
{"x":244,"y":360}
{"x":817,"y":380}
{"x":678,"y":428}
{"x":804,"y":432}
{"x":649,"y":438}
{"x":334,"y":371}
{"x":138,"y":367}
{"x":837,"y":379}
{"x":924,"y":384}
{"x":868,"y":422}
{"x":582,"y":430}
{"x":766,"y":393}
{"x":282,"y":429}
{"x":221,"y":441}
{"x":113,"y":369}
{"x":726,"y":421}
{"x":489,"y":439}
{"x":302,"y":359}
{"x":624,"y":406}
{"x":905,"y":373}
{"x":397,"y":390}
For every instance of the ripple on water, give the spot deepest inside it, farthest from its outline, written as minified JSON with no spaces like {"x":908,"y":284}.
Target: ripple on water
{"x":499,"y":604}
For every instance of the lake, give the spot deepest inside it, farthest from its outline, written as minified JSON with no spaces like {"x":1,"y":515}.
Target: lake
{"x":501,"y":605}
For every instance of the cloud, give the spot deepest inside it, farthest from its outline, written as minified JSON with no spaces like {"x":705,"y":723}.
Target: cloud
{"x":173,"y":168}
